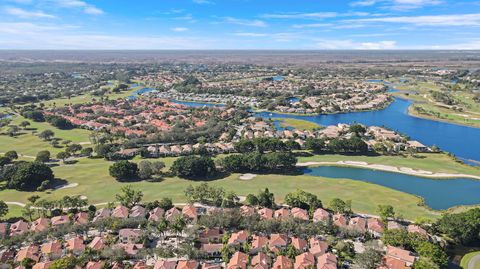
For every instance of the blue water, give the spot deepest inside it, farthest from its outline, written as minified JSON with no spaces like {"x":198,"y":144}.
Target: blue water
{"x":375,"y":80}
{"x":293,"y":99}
{"x":277,"y":78}
{"x":460,"y":140}
{"x":438,"y":193}
{"x":197,"y":104}
{"x":139,"y":92}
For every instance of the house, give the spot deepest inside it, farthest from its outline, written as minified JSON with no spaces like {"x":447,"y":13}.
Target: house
{"x":339,"y":220}
{"x":238,"y":261}
{"x":60,"y":220}
{"x":304,"y":260}
{"x":75,"y":245}
{"x":42,"y":265}
{"x":212,"y":250}
{"x":282,"y":262}
{"x":321,"y":214}
{"x":399,"y":255}
{"x":213,"y":235}
{"x":277,"y":242}
{"x":138,"y":212}
{"x":130,"y":248}
{"x":265,"y":213}
{"x":172,"y":213}
{"x":18,"y":228}
{"x":412,"y":228}
{"x":156,"y":214}
{"x":392,"y":225}
{"x":191,"y":264}
{"x":358,"y":224}
{"x":190,"y":212}
{"x":419,"y":147}
{"x":98,"y":243}
{"x":52,"y":250}
{"x":128,"y":235}
{"x":317,"y":247}
{"x":375,"y":227}
{"x":30,"y":252}
{"x":299,"y":243}
{"x":300,"y":213}
{"x":117,"y":265}
{"x":282,"y":213}
{"x":120,"y":212}
{"x":102,"y":214}
{"x":238,"y":238}
{"x":260,"y":261}
{"x":258,"y":243}
{"x":40,"y":225}
{"x":94,"y":265}
{"x":327,"y":261}
{"x":80,"y":218}
{"x":3,"y":229}
{"x":247,"y":210}
{"x":165,"y":264}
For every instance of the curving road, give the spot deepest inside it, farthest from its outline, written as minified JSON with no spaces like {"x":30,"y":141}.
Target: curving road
{"x":474,"y":261}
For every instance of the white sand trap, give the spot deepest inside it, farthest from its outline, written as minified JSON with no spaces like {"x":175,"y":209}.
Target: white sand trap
{"x":83,"y":197}
{"x":71,"y":185}
{"x":247,"y":176}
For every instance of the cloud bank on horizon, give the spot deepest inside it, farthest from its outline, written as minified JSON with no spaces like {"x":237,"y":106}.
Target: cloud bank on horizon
{"x":240,"y":24}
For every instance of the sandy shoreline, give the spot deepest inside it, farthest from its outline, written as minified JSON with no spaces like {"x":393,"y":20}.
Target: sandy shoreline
{"x":388,"y":168}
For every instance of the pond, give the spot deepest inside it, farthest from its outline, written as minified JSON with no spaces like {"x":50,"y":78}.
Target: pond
{"x":438,"y":194}
{"x":460,"y":140}
{"x":139,"y":92}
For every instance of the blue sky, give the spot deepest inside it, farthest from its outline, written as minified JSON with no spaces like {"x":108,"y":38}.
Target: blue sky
{"x":239,"y":24}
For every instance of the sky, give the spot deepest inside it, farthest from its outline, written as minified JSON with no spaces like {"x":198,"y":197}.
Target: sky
{"x":240,"y":24}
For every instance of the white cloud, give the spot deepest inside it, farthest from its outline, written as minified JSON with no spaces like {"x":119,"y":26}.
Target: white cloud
{"x":25,"y":14}
{"x":397,"y":4}
{"x":250,"y":34}
{"x":350,"y":44}
{"x":82,"y":5}
{"x":312,"y":25}
{"x":312,"y":15}
{"x":179,"y":29}
{"x":433,"y":20}
{"x":255,"y":23}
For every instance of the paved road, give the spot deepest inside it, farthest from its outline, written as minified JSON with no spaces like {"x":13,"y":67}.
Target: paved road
{"x":473,"y":261}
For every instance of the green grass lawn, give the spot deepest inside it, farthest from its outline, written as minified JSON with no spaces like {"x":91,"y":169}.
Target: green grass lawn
{"x":297,"y":124}
{"x":466,"y":259}
{"x":95,"y":183}
{"x":431,"y":162}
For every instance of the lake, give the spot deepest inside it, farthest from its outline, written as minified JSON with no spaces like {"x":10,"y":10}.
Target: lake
{"x":460,"y":140}
{"x":196,"y":104}
{"x":438,"y":194}
{"x":139,"y":92}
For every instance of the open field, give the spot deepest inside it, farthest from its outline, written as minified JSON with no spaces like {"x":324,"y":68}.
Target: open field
{"x":95,"y":183}
{"x":470,"y":115}
{"x":297,"y":124}
{"x":467,"y":258}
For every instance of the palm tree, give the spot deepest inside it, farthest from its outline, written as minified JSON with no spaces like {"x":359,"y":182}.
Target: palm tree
{"x":162,"y":227}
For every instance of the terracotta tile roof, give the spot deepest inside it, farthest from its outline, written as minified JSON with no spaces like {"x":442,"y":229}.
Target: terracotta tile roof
{"x":75,"y":244}
{"x":282,"y":262}
{"x":321,"y":215}
{"x":138,"y":212}
{"x":266,"y":213}
{"x":339,"y":220}
{"x":259,"y":242}
{"x":400,"y":254}
{"x":81,"y":218}
{"x":40,"y":225}
{"x":156,"y":214}
{"x":60,"y":220}
{"x":97,"y":243}
{"x":164,"y":264}
{"x":28,"y":252}
{"x":278,"y":240}
{"x":120,"y":212}
{"x":300,"y":213}
{"x":212,"y":248}
{"x":327,"y":261}
{"x":172,"y":213}
{"x":261,"y":258}
{"x":238,"y":238}
{"x":304,"y":260}
{"x":190,"y":212}
{"x":18,"y":228}
{"x":238,"y":260}
{"x":187,"y":264}
{"x":247,"y":210}
{"x":375,"y":225}
{"x":282,"y":213}
{"x":358,"y":223}
{"x":52,"y":248}
{"x":416,"y":229}
{"x":94,"y":265}
{"x":42,"y":265}
{"x":299,"y":243}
